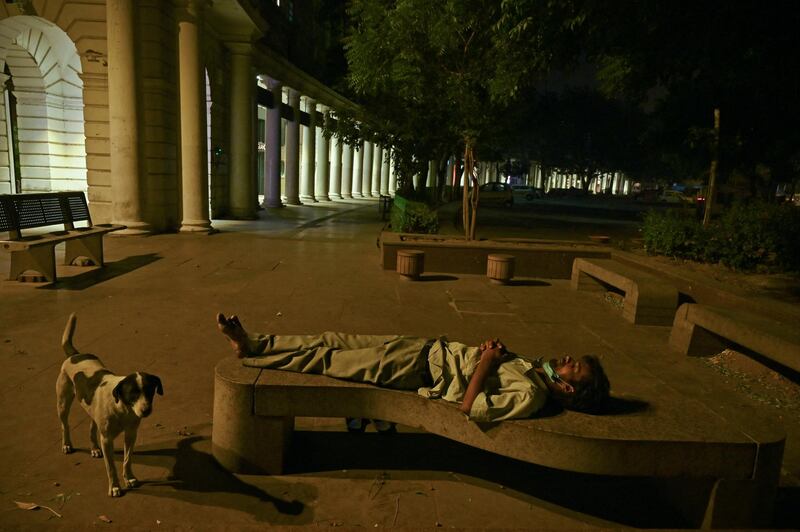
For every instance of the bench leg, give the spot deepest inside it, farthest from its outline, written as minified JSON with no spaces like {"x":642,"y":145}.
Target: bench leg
{"x":747,"y":503}
{"x":89,"y":246}
{"x":690,"y":339}
{"x":241,"y":441}
{"x":582,"y":281}
{"x":41,"y":258}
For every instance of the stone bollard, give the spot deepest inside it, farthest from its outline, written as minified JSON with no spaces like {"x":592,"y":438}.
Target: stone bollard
{"x":500,"y":268}
{"x":410,"y":263}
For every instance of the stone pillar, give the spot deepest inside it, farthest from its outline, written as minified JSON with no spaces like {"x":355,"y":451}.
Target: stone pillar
{"x":242,"y":192}
{"x":335,"y":189}
{"x":127,"y":180}
{"x":292,"y":169}
{"x":432,"y":174}
{"x":309,"y":150}
{"x":347,"y":170}
{"x":323,"y":161}
{"x":366,"y":169}
{"x":358,"y":169}
{"x":384,"y":187}
{"x":194,"y":170}
{"x":377,"y":163}
{"x":272,"y":163}
{"x":392,"y":179}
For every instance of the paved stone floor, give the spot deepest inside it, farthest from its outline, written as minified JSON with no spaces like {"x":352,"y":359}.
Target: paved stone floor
{"x":296,"y":270}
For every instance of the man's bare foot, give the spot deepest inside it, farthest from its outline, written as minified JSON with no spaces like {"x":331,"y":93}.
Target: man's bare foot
{"x":237,"y":336}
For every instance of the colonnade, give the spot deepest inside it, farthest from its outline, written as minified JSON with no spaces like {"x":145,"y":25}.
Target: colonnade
{"x":316,"y":167}
{"x":302,"y":165}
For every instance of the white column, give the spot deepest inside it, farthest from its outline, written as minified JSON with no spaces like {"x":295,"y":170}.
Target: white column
{"x":358,"y":169}
{"x":384,"y":186}
{"x":366,"y":169}
{"x":377,"y":162}
{"x":242,"y":192}
{"x":323,"y":162}
{"x":272,"y":163}
{"x":309,"y":151}
{"x":392,"y":179}
{"x":123,"y":112}
{"x":191,"y":83}
{"x":292,"y":169}
{"x":347,"y":170}
{"x":335,"y":190}
{"x":432,"y":174}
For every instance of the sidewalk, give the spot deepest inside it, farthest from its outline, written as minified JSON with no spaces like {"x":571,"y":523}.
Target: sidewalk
{"x":297,"y":270}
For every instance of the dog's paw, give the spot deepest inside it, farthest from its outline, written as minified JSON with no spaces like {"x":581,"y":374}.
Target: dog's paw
{"x":114,"y":491}
{"x":96,"y":453}
{"x":67,"y":449}
{"x":132,"y":482}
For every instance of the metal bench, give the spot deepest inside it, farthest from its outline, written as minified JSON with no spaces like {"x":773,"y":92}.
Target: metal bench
{"x":723,"y":468}
{"x":22,"y":212}
{"x":703,"y":330}
{"x":648,"y":299}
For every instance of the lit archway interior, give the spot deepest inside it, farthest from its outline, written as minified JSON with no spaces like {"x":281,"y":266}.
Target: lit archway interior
{"x":42,"y":139}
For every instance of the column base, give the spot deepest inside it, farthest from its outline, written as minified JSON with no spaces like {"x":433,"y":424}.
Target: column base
{"x":292,"y":201}
{"x":347,"y":196}
{"x":196,"y":226}
{"x":335,"y":196}
{"x":308,"y":199}
{"x":132,"y":228}
{"x":272,"y":204}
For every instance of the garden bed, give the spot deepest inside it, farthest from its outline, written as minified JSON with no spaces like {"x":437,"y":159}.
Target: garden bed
{"x":550,"y":259}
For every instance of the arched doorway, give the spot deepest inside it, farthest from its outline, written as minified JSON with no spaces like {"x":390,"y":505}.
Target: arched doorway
{"x":42,"y":139}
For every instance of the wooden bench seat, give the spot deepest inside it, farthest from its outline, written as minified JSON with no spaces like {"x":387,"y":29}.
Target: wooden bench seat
{"x":648,"y":299}
{"x":703,"y":330}
{"x":22,"y":212}
{"x":679,"y":438}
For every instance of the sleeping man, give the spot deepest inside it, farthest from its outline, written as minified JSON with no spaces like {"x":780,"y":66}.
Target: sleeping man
{"x":488,"y":382}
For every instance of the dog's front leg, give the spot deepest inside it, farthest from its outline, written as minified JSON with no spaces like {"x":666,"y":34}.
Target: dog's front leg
{"x":127,"y":464}
{"x":107,"y":443}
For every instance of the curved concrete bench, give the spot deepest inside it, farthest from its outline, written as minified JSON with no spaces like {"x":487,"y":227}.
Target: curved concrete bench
{"x":703,"y":330}
{"x":648,"y":299}
{"x":680,"y":438}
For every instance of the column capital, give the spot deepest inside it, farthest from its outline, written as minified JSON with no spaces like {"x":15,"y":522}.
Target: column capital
{"x":239,"y":47}
{"x":293,"y":97}
{"x":190,"y":10}
{"x":272,"y":83}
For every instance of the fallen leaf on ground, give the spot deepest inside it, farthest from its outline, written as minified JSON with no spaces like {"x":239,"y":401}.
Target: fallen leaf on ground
{"x":34,"y":506}
{"x":104,"y":518}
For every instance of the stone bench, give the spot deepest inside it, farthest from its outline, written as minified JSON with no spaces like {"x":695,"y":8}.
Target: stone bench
{"x":703,"y":330}
{"x":648,"y":299}
{"x":679,"y":438}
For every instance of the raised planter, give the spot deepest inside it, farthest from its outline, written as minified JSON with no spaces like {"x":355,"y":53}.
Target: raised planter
{"x":548,"y":259}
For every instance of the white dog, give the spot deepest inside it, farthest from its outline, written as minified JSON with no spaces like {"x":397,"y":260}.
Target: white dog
{"x":114,"y":403}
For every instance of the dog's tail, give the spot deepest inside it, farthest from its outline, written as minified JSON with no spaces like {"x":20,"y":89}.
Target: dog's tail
{"x":66,"y":339}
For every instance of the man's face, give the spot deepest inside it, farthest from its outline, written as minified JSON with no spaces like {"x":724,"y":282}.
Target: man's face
{"x":572,"y":371}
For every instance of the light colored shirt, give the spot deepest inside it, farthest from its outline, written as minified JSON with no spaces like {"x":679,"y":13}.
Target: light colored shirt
{"x":515,"y":390}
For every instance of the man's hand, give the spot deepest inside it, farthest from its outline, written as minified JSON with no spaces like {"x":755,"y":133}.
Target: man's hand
{"x":491,"y":344}
{"x":492,"y":354}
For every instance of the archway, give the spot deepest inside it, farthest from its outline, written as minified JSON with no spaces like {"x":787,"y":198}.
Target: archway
{"x":42,"y":139}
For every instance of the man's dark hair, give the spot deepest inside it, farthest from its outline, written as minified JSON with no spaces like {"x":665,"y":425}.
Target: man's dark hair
{"x":590,"y":395}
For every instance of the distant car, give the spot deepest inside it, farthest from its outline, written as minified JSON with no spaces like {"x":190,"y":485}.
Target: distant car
{"x":673,"y":196}
{"x":526,"y":191}
{"x":496,"y":193}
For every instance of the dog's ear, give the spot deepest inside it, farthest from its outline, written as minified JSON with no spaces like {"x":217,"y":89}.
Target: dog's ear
{"x":159,"y":388}
{"x":117,"y":390}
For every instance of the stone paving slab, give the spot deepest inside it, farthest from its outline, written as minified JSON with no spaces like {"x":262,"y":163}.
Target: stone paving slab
{"x":298,"y":270}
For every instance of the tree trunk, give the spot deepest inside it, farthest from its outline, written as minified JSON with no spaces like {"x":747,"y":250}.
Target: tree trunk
{"x":469,"y":196}
{"x":712,"y":175}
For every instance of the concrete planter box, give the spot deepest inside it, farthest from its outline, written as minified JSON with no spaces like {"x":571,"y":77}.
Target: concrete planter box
{"x":549,"y":259}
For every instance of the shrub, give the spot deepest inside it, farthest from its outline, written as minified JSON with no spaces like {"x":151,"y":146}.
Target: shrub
{"x":747,"y":236}
{"x":413,"y":217}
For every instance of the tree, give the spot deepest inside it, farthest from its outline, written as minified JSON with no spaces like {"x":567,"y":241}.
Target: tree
{"x":430,"y":79}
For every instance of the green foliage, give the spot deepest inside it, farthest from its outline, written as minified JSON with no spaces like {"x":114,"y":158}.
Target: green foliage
{"x":748,"y":236}
{"x":413,"y":217}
